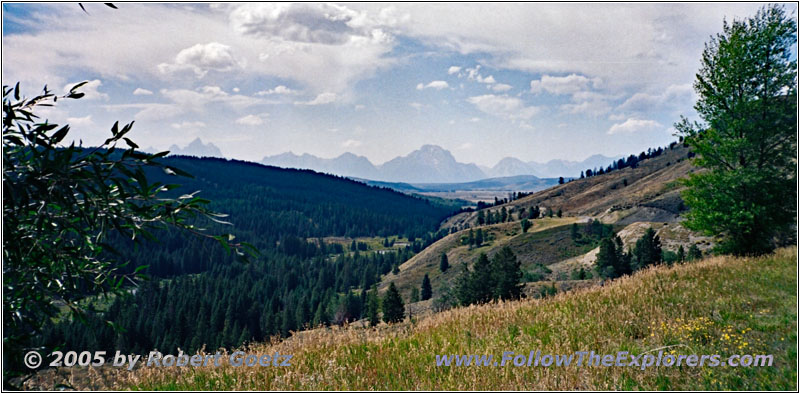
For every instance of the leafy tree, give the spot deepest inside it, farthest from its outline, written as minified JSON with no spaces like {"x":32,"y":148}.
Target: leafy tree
{"x":61,"y":206}
{"x":647,"y":251}
{"x":445,"y":300}
{"x":425,"y":290}
{"x":526,"y":225}
{"x":444,"y":264}
{"x":561,"y":180}
{"x":747,"y":88}
{"x":393,"y":308}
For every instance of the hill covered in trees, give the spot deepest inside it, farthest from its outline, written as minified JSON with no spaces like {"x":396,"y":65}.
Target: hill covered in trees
{"x":297,"y":281}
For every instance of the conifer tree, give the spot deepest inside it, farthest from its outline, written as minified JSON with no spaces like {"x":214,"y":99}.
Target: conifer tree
{"x":393,"y":308}
{"x":425,"y":291}
{"x":444,"y":264}
{"x":507,"y":275}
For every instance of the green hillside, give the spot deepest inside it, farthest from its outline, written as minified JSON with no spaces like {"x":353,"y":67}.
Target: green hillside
{"x":721,"y":305}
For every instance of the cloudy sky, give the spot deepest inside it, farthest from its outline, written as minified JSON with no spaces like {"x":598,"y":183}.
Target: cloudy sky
{"x":485,"y":81}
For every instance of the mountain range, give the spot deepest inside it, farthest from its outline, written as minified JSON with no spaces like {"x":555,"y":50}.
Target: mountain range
{"x":195,"y":148}
{"x":432,"y":164}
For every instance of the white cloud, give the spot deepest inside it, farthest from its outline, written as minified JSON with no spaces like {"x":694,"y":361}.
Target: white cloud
{"x":453,"y":70}
{"x":351,"y":143}
{"x":593,"y":108}
{"x":675,"y":97}
{"x":280,"y":89}
{"x":83,"y":121}
{"x":474,"y":119}
{"x":183,"y":101}
{"x":322,"y":98}
{"x":501,"y":87}
{"x":323,"y":46}
{"x":473,"y":74}
{"x":359,"y":107}
{"x":90,"y":90}
{"x":416,"y":105}
{"x":142,"y":92}
{"x":624,"y":44}
{"x":465,"y":146}
{"x":635,"y":126}
{"x":438,"y":85}
{"x":506,"y":107}
{"x":188,"y":125}
{"x":569,"y":84}
{"x":202,"y":58}
{"x":251,"y":120}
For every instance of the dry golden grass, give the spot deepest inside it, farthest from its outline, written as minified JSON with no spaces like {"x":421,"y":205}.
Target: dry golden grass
{"x":721,"y":305}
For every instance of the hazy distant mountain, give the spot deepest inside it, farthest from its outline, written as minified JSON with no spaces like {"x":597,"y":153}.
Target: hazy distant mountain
{"x":429,"y":164}
{"x":526,"y":183}
{"x":347,"y":164}
{"x":511,"y":166}
{"x":433,"y":164}
{"x":196,"y":148}
{"x":565,"y":168}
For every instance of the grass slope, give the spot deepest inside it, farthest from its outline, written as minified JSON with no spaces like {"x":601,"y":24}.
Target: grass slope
{"x":536,"y":246}
{"x":721,"y":305}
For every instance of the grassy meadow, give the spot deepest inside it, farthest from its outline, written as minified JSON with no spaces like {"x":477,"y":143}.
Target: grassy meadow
{"x":721,"y":305}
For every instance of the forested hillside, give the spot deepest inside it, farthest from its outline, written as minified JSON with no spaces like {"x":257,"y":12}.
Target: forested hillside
{"x":199,"y":295}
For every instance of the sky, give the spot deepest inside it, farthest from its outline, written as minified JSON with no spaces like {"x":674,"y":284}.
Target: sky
{"x":485,"y":81}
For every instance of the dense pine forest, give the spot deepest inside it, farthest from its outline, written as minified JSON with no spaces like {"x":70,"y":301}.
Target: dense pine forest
{"x":199,"y":295}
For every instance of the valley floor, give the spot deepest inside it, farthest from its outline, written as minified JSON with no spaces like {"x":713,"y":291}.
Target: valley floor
{"x":721,"y":305}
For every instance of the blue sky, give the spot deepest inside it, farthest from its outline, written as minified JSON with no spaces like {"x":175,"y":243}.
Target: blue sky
{"x":485,"y":81}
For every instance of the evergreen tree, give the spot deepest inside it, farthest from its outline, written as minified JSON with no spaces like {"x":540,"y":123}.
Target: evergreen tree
{"x":413,"y":295}
{"x":321,"y":316}
{"x":694,"y":253}
{"x":574,"y":234}
{"x":681,"y":254}
{"x":444,"y":264}
{"x":481,"y":218}
{"x":373,"y":307}
{"x":425,"y":291}
{"x":607,"y":259}
{"x":526,"y":225}
{"x":559,"y":213}
{"x":481,"y":280}
{"x":478,"y":237}
{"x":647,"y":250}
{"x":393,"y":308}
{"x":507,"y":275}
